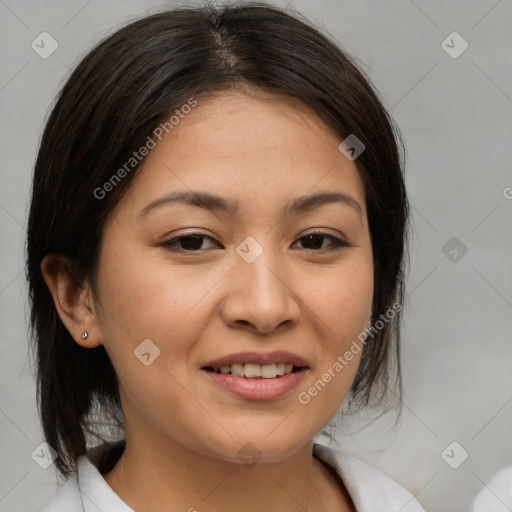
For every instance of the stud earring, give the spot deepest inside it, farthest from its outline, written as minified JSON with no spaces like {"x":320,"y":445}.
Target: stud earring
{"x":85,"y":335}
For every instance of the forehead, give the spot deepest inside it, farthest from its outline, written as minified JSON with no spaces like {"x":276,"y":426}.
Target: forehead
{"x":250,"y":146}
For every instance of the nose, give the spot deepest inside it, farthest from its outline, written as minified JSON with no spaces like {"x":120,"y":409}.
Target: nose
{"x":260,"y":296}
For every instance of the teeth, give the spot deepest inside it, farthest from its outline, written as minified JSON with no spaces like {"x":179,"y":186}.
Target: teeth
{"x":269,"y":371}
{"x":252,"y":371}
{"x":237,"y":369}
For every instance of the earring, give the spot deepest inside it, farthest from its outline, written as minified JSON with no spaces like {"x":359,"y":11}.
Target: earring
{"x":85,"y":335}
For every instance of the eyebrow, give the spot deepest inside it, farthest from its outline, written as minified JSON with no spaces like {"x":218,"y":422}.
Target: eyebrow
{"x":212,"y":202}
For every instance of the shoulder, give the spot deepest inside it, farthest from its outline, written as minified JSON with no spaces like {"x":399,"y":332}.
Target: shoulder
{"x":67,"y":500}
{"x":86,"y":491}
{"x":370,"y":488}
{"x":496,"y":496}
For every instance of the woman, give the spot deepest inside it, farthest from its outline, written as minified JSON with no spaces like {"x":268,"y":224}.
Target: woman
{"x":216,"y":252}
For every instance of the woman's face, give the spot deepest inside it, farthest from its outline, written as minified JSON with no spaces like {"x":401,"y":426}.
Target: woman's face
{"x":248,"y":281}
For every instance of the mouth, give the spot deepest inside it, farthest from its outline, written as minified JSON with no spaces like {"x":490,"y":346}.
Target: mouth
{"x":257,"y":376}
{"x":254,"y":365}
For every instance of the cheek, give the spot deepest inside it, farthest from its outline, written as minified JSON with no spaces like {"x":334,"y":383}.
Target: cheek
{"x":146,"y":298}
{"x":342,"y":299}
{"x":341,"y":305}
{"x":149,"y":296}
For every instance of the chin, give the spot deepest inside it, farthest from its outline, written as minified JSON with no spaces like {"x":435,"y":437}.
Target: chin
{"x":257,"y":448}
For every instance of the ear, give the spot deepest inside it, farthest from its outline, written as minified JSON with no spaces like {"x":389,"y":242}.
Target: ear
{"x":74,"y":302}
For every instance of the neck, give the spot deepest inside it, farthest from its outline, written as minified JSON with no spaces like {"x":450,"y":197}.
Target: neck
{"x":148,"y":477}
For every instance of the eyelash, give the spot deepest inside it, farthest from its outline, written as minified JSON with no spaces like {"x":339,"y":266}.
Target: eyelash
{"x":338,"y":244}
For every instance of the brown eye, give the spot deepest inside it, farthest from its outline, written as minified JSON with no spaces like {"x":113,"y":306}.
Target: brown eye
{"x":315,"y":241}
{"x":191,"y":242}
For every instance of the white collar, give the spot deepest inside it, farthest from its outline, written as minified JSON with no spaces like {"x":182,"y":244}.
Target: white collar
{"x":371,"y":490}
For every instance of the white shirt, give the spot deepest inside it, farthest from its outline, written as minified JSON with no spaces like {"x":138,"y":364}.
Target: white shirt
{"x":371,"y":490}
{"x":496,"y":496}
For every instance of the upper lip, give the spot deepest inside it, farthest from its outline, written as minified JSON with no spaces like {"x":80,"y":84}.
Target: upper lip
{"x":280,"y":356}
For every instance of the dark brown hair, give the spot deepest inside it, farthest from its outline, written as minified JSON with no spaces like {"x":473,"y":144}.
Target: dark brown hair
{"x":114,"y":99}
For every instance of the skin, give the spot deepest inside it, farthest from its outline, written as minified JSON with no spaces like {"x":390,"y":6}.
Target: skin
{"x":183,"y":432}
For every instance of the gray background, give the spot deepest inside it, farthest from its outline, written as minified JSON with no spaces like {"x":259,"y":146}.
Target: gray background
{"x":456,"y":117}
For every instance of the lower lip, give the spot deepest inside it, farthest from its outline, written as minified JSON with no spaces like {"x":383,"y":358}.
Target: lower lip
{"x":258,"y":388}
